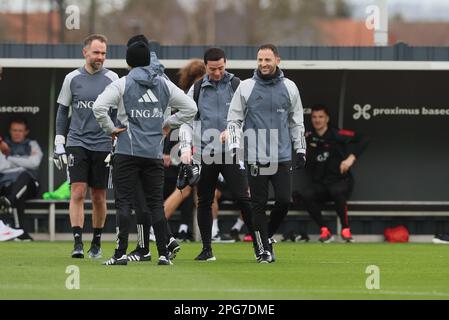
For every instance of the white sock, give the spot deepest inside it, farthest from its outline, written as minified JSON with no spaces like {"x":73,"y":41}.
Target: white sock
{"x":215,"y":229}
{"x":183,"y":227}
{"x":238,"y":224}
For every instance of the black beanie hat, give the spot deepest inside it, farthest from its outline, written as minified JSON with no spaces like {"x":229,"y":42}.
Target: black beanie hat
{"x":136,"y":38}
{"x":138,"y":54}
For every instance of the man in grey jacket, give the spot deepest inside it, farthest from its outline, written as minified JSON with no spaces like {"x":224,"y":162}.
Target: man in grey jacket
{"x":20,"y":159}
{"x":141,"y":99}
{"x":213,"y":95}
{"x":269,"y":110}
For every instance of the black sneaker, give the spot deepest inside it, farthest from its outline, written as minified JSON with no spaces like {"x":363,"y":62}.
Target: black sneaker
{"x":78,"y":251}
{"x":25,"y":237}
{"x":164,"y":261}
{"x":257,"y":254}
{"x":173,"y":248}
{"x":270,"y":248}
{"x":5,"y":205}
{"x":95,"y":251}
{"x":114,"y":261}
{"x":221,"y":238}
{"x":235,"y":234}
{"x":302,"y":237}
{"x":265,"y":257}
{"x":441,"y":239}
{"x":183,"y":237}
{"x":139,"y":255}
{"x":206,"y":255}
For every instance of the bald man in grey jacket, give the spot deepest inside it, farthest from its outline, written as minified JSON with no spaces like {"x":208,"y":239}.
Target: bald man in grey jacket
{"x":268,"y":109}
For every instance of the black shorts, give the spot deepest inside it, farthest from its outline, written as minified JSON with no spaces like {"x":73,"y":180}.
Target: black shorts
{"x":87,"y":166}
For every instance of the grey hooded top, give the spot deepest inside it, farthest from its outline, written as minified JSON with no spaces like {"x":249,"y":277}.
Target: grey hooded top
{"x":142,"y":99}
{"x":270,"y":114}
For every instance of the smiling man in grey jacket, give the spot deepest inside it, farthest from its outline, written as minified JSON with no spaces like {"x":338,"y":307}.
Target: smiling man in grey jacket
{"x":269,"y":110}
{"x":141,"y":99}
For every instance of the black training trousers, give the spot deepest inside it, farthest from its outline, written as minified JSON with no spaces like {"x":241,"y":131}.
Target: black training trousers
{"x":317,"y":193}
{"x":281,"y":182}
{"x":236,"y":178}
{"x":130,"y":172}
{"x":23,"y":188}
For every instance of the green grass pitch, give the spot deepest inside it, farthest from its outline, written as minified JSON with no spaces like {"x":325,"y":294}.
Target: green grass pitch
{"x":302,"y":271}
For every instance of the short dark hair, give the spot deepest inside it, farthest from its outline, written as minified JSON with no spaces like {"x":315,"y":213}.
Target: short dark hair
{"x":89,"y":39}
{"x":20,"y":120}
{"x":214,"y":54}
{"x":320,"y":107}
{"x":271,"y":47}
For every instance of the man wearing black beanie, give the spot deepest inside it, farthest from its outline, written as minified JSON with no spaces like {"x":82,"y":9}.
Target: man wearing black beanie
{"x":138,"y":54}
{"x":141,"y":98}
{"x":136,"y":38}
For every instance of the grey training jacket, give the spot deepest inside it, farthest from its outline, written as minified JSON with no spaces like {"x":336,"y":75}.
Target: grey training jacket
{"x":142,"y":99}
{"x":262,"y":106}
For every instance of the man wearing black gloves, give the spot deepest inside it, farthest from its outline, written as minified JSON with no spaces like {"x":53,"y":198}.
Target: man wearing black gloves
{"x":141,"y":98}
{"x":269,"y":110}
{"x":331,"y":152}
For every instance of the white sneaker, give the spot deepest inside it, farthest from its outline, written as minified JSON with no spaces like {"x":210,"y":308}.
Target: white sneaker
{"x":7,"y":233}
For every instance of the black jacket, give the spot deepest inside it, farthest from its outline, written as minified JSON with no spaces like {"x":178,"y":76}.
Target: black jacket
{"x":325,"y":153}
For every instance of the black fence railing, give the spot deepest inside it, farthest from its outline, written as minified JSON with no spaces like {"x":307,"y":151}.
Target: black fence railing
{"x":398,"y":52}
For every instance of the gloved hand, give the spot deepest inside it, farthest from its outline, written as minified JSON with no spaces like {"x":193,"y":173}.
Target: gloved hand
{"x":300,"y":161}
{"x":189,"y":175}
{"x":59,"y":155}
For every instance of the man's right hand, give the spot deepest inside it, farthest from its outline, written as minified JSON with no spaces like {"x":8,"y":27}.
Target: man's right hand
{"x":59,"y":156}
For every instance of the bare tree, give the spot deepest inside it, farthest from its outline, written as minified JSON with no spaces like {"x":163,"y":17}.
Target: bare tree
{"x":61,"y":5}
{"x":92,"y":15}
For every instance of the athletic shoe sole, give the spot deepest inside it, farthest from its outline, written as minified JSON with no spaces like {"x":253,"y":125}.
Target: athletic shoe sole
{"x":439,"y":241}
{"x":206,"y":260}
{"x":138,"y":258}
{"x":223,"y":241}
{"x":95,"y":256}
{"x":172,"y":254}
{"x":331,"y":239}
